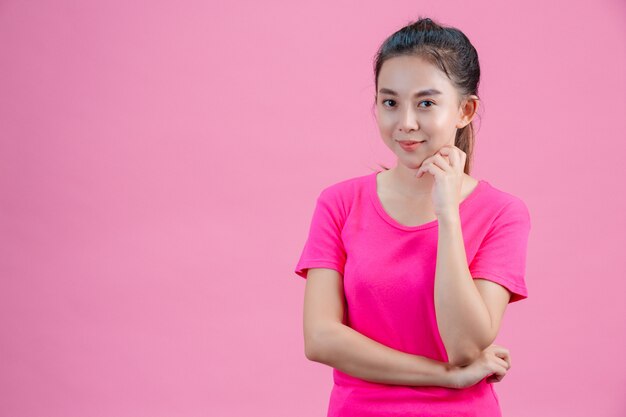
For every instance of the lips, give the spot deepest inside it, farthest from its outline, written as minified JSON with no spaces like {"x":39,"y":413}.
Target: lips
{"x":409,"y":145}
{"x":410,"y":142}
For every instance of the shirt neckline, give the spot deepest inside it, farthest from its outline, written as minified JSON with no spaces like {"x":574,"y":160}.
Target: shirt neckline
{"x":372,"y":187}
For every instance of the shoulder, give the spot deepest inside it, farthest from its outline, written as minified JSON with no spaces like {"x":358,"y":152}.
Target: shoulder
{"x":504,"y":204}
{"x":341,"y":196}
{"x":345,"y":190}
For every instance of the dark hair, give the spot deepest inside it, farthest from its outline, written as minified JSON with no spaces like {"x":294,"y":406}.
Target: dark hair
{"x":448,"y":49}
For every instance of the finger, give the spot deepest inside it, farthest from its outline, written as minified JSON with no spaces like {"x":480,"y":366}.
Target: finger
{"x":430,"y":168}
{"x":503,"y":356}
{"x":423,"y":167}
{"x":494,"y":378}
{"x":448,"y":148}
{"x":437,"y":157}
{"x":455,"y":160}
{"x":499,"y":371}
{"x":427,"y":161}
{"x":506,"y":357}
{"x":499,"y":350}
{"x":451,"y":150}
{"x":442,"y":163}
{"x":455,"y":157}
{"x":502,"y":363}
{"x":446,"y":151}
{"x":422,"y":170}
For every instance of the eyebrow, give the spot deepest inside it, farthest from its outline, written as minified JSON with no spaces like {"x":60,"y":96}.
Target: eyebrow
{"x":427,"y":92}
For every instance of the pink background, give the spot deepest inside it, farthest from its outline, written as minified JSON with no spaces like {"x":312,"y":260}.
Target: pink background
{"x":159,"y":167}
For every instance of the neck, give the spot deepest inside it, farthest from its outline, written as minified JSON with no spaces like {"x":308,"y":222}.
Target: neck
{"x":408,"y":184}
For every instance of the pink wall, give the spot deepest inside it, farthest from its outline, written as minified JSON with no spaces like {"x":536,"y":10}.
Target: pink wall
{"x":159,"y":165}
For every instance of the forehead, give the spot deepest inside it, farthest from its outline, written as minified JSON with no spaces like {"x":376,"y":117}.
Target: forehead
{"x":406,"y":74}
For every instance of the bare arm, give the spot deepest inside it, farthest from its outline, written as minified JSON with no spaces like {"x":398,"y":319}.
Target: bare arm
{"x":463,"y":317}
{"x":355,"y":354}
{"x":328,"y":340}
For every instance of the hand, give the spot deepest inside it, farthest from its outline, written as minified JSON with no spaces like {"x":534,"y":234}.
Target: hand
{"x":493,"y":363}
{"x":447,"y":167}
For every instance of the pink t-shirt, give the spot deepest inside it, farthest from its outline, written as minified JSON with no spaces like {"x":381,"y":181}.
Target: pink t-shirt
{"x":388,"y":274}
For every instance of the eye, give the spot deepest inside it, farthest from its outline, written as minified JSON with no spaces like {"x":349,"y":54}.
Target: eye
{"x":423,"y":101}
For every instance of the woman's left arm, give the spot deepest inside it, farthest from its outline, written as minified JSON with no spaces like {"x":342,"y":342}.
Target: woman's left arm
{"x":468,"y":310}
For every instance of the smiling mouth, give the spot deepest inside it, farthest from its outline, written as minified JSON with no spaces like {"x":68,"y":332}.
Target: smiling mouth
{"x":410,"y":146}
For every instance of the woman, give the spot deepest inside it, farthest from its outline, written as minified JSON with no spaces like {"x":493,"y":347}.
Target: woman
{"x":409,"y":269}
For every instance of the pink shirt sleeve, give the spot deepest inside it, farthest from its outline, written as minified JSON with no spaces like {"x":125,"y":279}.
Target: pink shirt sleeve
{"x":501,"y":257}
{"x":324,"y":247}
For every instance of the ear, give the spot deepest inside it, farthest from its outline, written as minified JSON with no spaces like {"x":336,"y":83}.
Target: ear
{"x":467,"y":111}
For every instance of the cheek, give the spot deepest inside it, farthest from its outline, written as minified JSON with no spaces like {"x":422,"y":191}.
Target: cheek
{"x":438,"y":121}
{"x":440,"y":127}
{"x":385,"y":124}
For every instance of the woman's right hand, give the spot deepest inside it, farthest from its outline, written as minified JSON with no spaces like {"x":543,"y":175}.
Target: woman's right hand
{"x":493,"y":362}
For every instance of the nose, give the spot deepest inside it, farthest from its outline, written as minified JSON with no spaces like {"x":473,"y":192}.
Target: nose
{"x":408,"y":121}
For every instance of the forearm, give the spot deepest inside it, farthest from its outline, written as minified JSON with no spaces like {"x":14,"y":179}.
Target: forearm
{"x":462,"y":316}
{"x":357,"y":355}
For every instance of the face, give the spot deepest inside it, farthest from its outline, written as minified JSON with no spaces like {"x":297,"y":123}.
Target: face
{"x":432,"y":117}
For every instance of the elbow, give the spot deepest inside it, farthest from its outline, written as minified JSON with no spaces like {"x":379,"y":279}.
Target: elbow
{"x":464,"y":357}
{"x":311,"y":351}
{"x":470,"y":351}
{"x":315,"y":346}
{"x":460,"y":360}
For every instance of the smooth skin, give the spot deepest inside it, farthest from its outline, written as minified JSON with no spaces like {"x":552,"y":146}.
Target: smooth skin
{"x":427,"y":183}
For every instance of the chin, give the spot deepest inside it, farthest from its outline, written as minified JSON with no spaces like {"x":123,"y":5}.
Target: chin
{"x":411,"y":164}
